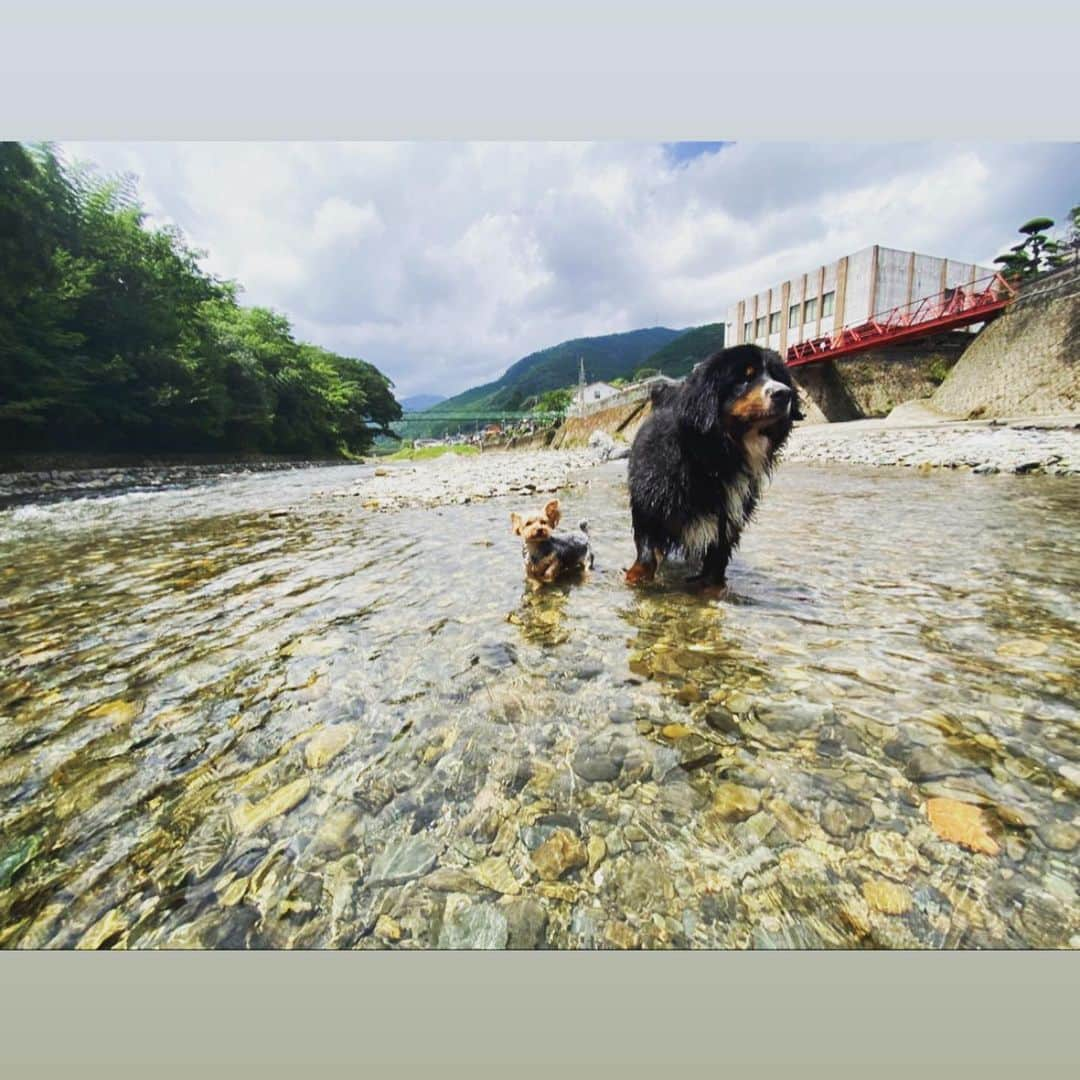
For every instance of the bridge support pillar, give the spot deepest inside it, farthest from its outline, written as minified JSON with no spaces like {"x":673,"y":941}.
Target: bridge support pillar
{"x":822,"y":385}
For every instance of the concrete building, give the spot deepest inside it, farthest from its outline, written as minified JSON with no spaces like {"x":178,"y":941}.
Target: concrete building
{"x":844,"y":293}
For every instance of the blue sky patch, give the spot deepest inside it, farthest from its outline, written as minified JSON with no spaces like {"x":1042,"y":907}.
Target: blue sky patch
{"x":682,"y":152}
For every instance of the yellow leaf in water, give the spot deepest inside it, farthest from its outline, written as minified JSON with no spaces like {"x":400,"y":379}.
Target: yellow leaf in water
{"x":963,"y":824}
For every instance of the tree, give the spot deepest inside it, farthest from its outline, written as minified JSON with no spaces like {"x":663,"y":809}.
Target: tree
{"x":1068,"y":248}
{"x":112,"y":337}
{"x":644,"y":373}
{"x":555,"y":401}
{"x":1033,"y":255}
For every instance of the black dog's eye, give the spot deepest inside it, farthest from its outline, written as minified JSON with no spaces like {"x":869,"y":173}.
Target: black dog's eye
{"x":750,"y":372}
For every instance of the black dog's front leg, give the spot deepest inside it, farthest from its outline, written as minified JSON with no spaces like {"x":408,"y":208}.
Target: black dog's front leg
{"x":644,"y":568}
{"x":713,"y":566}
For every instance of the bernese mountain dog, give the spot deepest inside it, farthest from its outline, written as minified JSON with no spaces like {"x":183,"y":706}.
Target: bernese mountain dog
{"x":699,"y":461}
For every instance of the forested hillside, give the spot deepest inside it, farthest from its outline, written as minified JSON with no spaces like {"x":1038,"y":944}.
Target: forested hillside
{"x":112,"y":338}
{"x":678,"y":357}
{"x":609,"y":357}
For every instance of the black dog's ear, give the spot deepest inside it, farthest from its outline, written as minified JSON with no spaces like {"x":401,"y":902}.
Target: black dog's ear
{"x":698,"y":402}
{"x":782,"y":373}
{"x":796,"y":403}
{"x":662,"y":394}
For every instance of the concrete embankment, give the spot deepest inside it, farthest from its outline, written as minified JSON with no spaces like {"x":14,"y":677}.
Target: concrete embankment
{"x":1027,"y":362}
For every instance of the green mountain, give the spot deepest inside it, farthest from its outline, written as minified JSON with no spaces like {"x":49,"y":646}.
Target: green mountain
{"x":678,"y":357}
{"x":607,"y":357}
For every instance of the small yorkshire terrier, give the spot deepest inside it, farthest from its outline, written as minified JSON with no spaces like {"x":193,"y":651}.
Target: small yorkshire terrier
{"x":548,"y":556}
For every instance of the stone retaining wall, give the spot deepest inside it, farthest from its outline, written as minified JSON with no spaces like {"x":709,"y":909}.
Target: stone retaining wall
{"x":1026,"y":362}
{"x":874,"y":383}
{"x":620,"y":422}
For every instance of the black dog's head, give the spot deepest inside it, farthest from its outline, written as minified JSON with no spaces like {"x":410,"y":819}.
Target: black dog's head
{"x":737,"y":390}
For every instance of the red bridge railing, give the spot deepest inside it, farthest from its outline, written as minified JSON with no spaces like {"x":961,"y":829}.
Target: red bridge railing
{"x":976,"y":301}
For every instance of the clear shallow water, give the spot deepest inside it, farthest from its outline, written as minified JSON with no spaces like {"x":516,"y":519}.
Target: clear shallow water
{"x":224,"y":728}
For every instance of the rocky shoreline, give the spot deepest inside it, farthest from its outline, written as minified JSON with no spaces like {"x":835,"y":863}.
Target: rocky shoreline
{"x":982,"y":448}
{"x":454,"y":479}
{"x":53,"y":483}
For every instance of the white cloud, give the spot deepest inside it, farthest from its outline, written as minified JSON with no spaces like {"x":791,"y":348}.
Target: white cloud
{"x":443,"y":263}
{"x":339,"y":221}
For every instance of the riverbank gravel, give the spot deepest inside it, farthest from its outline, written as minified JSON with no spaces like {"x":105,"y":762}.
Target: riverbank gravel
{"x":458,"y":479}
{"x":982,"y":449}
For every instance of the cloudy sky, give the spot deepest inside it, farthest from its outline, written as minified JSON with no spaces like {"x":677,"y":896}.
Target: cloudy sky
{"x":442,"y":263}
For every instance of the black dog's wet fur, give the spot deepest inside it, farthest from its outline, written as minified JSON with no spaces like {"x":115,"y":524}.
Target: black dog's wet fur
{"x":689,"y":454}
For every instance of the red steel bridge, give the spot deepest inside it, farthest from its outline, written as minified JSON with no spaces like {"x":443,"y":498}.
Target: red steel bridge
{"x":978,"y":301}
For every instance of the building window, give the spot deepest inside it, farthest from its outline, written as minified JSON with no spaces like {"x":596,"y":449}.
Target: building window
{"x":793,"y":316}
{"x":828,"y":302}
{"x":811,"y":310}
{"x":774,"y":323}
{"x":760,"y":328}
{"x":747,"y":331}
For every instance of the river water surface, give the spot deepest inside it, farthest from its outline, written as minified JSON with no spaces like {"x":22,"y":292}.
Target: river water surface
{"x":244,"y":714}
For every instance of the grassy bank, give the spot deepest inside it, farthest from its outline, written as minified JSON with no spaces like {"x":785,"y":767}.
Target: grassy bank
{"x":426,"y":452}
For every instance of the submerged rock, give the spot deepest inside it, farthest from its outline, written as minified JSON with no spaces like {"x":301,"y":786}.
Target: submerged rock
{"x":396,"y":863}
{"x":558,"y":855}
{"x":495,"y":874}
{"x":842,"y":819}
{"x":468,"y":924}
{"x":734,"y":802}
{"x":326,"y":745}
{"x":1060,"y":835}
{"x":251,"y":817}
{"x":600,"y":758}
{"x":887,"y":896}
{"x":526,"y":924}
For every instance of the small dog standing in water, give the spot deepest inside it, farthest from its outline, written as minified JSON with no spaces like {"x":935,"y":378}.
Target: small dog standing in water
{"x":548,"y":556}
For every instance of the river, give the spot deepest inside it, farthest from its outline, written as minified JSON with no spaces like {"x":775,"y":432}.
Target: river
{"x":243,"y":714}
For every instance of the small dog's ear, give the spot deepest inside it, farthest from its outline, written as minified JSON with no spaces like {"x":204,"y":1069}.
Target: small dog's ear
{"x":516,"y":522}
{"x":552,"y":512}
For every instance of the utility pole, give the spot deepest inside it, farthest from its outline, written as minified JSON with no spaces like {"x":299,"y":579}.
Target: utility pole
{"x":581,"y":384}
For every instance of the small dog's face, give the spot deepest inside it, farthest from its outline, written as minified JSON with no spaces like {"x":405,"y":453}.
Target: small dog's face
{"x":744,"y":387}
{"x":539,"y":527}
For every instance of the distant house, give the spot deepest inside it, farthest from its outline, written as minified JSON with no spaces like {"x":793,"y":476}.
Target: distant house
{"x":597,"y":391}
{"x":587,"y":398}
{"x":492,"y":429}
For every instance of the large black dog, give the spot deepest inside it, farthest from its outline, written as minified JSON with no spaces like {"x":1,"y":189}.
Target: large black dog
{"x":699,"y":461}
